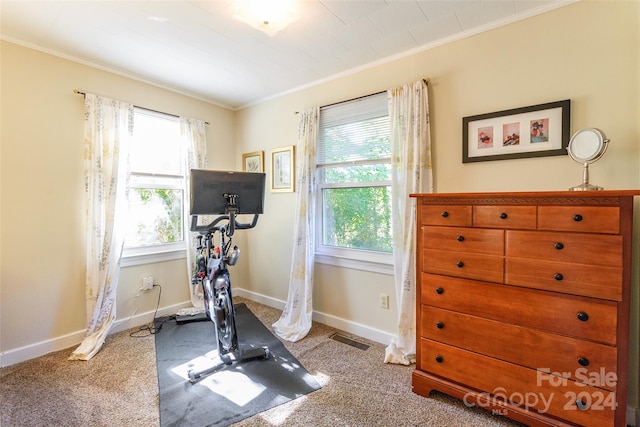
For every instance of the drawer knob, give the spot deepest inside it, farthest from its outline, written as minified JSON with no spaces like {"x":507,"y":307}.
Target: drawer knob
{"x":439,"y":291}
{"x":445,"y":214}
{"x":558,"y":276}
{"x":460,"y":264}
{"x":439,"y":359}
{"x":439,"y":325}
{"x":460,"y":238}
{"x":558,"y":246}
{"x":503,"y":215}
{"x":577,"y":217}
{"x":582,"y":405}
{"x":582,"y":316}
{"x":583,"y":361}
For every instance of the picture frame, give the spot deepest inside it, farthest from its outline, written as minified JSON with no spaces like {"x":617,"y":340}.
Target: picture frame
{"x":253,"y":162}
{"x":534,"y":131}
{"x":283,"y":168}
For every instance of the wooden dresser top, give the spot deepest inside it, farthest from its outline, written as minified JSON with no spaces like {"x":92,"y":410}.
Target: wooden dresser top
{"x":600,"y":197}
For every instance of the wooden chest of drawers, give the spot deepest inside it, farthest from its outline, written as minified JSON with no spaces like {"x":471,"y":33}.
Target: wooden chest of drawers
{"x":523,"y":303}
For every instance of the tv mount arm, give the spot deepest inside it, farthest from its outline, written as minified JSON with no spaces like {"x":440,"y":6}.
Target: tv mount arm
{"x":230,"y":215}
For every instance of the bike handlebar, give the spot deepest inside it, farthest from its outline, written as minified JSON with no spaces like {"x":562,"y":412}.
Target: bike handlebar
{"x":230,"y":226}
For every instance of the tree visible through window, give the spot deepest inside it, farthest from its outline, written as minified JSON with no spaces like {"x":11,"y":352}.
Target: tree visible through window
{"x":156,"y":182}
{"x":156,"y":216}
{"x":354,"y":176}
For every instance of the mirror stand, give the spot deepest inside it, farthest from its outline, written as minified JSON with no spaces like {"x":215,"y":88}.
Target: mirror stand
{"x":585,"y":186}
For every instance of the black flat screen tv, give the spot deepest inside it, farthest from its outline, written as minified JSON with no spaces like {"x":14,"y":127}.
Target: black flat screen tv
{"x":208,"y":188}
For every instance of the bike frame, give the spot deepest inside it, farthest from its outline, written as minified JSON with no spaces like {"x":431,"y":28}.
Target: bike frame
{"x":216,"y":285}
{"x":212,"y":273}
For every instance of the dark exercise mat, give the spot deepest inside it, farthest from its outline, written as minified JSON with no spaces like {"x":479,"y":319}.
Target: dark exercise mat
{"x":233,"y":393}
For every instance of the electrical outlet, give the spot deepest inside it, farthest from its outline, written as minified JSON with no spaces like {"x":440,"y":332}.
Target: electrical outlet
{"x":384,"y":301}
{"x":147,"y":283}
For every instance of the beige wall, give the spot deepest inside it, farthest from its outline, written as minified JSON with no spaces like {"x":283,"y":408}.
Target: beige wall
{"x":587,"y":52}
{"x":42,"y":250}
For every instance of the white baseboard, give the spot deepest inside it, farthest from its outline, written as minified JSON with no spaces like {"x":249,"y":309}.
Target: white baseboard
{"x":32,"y":351}
{"x":11,"y":357}
{"x":355,"y":328}
{"x":145,"y":318}
{"x":260,"y":298}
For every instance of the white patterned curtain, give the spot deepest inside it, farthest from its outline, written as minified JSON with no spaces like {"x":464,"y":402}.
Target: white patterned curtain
{"x":194,"y":137}
{"x":411,"y":173}
{"x":295,"y":321}
{"x":107,"y":128}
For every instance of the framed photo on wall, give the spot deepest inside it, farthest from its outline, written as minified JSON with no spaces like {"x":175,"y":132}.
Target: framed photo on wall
{"x":535,"y":131}
{"x":283,"y":169}
{"x":253,"y":162}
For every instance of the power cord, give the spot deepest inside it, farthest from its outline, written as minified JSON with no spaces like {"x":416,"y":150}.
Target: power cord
{"x":150,"y":328}
{"x":135,"y":299}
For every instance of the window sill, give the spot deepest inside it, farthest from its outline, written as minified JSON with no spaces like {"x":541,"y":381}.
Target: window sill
{"x":355,"y":264}
{"x":130,"y":260}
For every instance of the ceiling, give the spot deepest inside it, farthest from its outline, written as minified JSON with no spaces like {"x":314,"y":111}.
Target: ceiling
{"x":198,"y":48}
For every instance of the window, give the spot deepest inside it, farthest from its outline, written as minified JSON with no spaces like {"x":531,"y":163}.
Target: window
{"x":156,"y":188}
{"x":353,"y":167}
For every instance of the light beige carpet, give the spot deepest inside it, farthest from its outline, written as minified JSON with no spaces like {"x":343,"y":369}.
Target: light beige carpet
{"x":119,"y":387}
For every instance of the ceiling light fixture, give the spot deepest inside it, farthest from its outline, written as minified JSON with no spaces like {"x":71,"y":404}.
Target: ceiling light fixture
{"x":157,"y":19}
{"x":268,"y":16}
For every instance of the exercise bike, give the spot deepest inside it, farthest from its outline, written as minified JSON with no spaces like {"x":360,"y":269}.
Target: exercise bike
{"x":212,"y":274}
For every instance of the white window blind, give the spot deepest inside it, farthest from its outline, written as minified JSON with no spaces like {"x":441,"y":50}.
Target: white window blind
{"x":358,"y":121}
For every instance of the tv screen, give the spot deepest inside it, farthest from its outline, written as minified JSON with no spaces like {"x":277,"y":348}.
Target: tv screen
{"x":208,"y":188}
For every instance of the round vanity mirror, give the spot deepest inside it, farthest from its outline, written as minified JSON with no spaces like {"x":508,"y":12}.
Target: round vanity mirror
{"x":585,"y":147}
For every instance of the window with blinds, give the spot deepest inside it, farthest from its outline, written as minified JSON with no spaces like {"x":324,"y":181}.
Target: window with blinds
{"x":353,"y":163}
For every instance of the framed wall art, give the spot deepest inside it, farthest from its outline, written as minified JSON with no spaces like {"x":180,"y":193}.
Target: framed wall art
{"x":253,"y":162}
{"x":283,"y":169}
{"x":535,"y":131}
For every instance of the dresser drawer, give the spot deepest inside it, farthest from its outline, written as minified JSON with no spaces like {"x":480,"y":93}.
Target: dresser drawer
{"x":449,"y":215}
{"x":580,"y":317}
{"x":522,"y":217}
{"x":577,"y":359}
{"x":522,"y":386}
{"x":588,"y":219}
{"x":463,"y":264}
{"x":579,"y":279}
{"x":596,"y":249}
{"x":473,"y":240}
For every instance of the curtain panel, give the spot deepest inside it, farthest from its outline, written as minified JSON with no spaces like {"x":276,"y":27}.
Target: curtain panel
{"x":107,"y":128}
{"x":295,"y":321}
{"x":195,"y":141}
{"x":411,"y":173}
